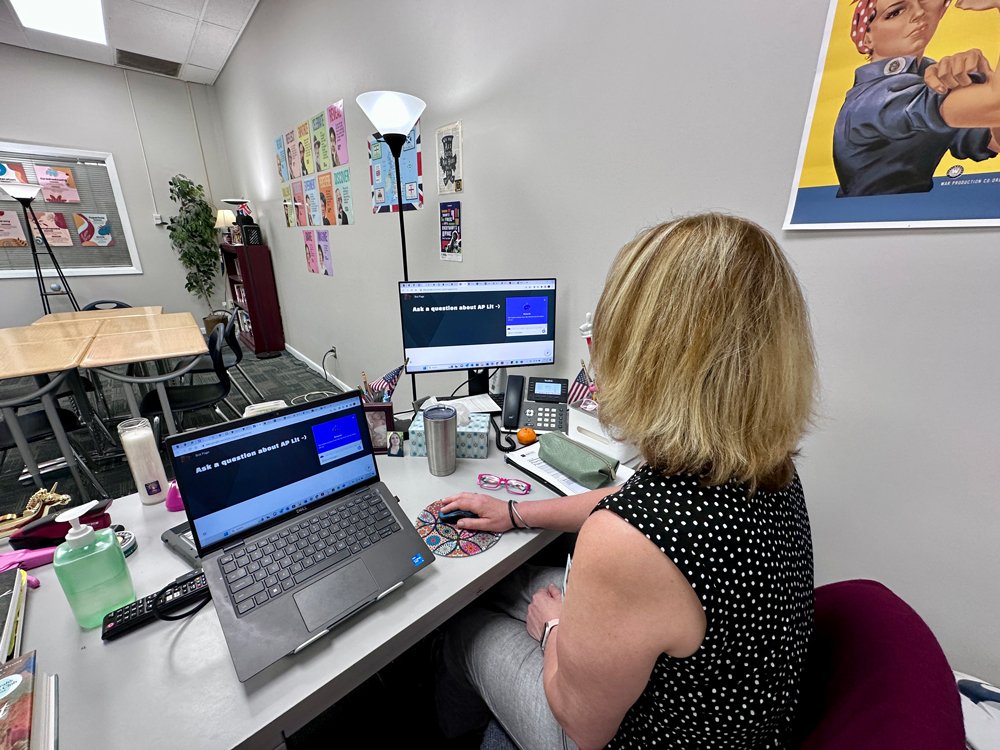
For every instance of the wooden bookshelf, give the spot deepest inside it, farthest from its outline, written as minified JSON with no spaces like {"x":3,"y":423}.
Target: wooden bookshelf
{"x":250,"y":278}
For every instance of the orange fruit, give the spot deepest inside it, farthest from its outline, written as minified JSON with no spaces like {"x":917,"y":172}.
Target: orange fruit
{"x":526,"y":436}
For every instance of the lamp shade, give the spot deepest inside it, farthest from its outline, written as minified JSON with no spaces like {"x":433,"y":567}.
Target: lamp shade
{"x":19,"y":192}
{"x":224,"y":218}
{"x":390,"y":111}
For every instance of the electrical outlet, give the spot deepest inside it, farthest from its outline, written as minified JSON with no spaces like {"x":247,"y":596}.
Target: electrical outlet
{"x":332,"y":350}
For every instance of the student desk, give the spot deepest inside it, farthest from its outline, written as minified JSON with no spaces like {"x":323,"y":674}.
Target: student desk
{"x":172,"y":684}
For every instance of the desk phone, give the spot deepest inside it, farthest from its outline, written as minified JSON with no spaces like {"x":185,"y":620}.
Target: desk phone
{"x":544,"y":409}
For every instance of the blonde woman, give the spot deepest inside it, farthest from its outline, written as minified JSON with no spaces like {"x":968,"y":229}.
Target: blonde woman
{"x":689,"y":608}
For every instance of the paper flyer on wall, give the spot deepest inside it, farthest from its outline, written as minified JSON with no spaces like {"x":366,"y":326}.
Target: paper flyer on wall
{"x":343,"y":196}
{"x":11,"y":231}
{"x":323,"y":253}
{"x":327,"y":205}
{"x":313,"y":213}
{"x":58,"y":184}
{"x":449,"y":158}
{"x":309,"y":240}
{"x":55,"y":228}
{"x":881,"y":148}
{"x":320,"y":142}
{"x":383,"y":177}
{"x":281,"y":159}
{"x":337,"y":131}
{"x":451,"y":231}
{"x":306,"y":165}
{"x":292,"y":155}
{"x":288,"y":205}
{"x":94,"y":230}
{"x":300,"y":204}
{"x":11,"y":171}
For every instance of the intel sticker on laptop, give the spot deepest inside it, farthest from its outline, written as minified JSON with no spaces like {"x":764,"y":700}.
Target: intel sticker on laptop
{"x":417,"y":559}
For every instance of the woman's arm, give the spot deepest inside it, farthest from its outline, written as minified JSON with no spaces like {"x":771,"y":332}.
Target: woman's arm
{"x":626,"y":604}
{"x":560,"y":513}
{"x":968,"y":106}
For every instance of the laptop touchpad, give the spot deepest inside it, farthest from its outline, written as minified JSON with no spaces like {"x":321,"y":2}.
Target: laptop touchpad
{"x":336,"y":595}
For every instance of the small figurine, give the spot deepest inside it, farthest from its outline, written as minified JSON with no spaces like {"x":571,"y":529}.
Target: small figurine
{"x":587,"y":331}
{"x":38,"y":505}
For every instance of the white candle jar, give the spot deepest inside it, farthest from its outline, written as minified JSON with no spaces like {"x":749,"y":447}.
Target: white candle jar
{"x":144,"y":460}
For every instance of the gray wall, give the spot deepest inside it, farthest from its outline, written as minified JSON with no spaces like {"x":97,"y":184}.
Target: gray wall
{"x":58,"y":101}
{"x":584,"y":123}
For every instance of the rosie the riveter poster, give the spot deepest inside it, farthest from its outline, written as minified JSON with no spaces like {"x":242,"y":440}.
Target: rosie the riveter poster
{"x":904,"y":124}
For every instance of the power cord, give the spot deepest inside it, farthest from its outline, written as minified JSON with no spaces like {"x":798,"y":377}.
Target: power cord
{"x":306,"y":398}
{"x":489,"y":376}
{"x":326,"y":375}
{"x":159,"y":603}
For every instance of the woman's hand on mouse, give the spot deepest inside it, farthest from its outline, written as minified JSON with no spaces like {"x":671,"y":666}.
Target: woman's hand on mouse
{"x":493,"y":515}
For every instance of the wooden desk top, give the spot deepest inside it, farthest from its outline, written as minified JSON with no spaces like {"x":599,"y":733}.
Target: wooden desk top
{"x":146,"y":323}
{"x":125,"y":312}
{"x":20,"y":360}
{"x":144,"y":346}
{"x":79,"y":329}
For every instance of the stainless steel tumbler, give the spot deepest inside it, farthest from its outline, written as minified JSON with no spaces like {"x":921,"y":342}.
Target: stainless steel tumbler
{"x":441,"y":434}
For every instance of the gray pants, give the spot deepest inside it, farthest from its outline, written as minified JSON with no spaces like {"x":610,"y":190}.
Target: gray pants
{"x":492,"y":666}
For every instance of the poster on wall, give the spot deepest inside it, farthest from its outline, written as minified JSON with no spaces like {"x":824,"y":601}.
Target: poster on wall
{"x":11,"y":171}
{"x":58,"y":184}
{"x":288,"y":204}
{"x":300,"y":204}
{"x":305,"y":149}
{"x":449,"y":158}
{"x":11,"y":232}
{"x":94,"y":230}
{"x":281,"y":159}
{"x":292,"y":155}
{"x":889,"y":152}
{"x":309,"y":240}
{"x":342,"y":195}
{"x":323,"y":255}
{"x":327,"y":205}
{"x":383,"y":176}
{"x":451,"y":231}
{"x":337,"y":132}
{"x":320,"y":142}
{"x":55,"y":228}
{"x":313,"y":213}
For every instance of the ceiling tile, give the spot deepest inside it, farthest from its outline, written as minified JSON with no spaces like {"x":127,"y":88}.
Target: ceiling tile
{"x":69,"y":47}
{"x":229,"y":13}
{"x":13,"y":34}
{"x":150,"y":31}
{"x":190,"y":8}
{"x":197,"y":74}
{"x":212,"y":46}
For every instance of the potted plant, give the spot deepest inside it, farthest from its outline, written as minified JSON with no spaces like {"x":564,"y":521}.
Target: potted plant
{"x":192,"y":233}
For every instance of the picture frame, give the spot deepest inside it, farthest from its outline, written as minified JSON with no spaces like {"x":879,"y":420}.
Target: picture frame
{"x":395,"y":442}
{"x":380,"y":424}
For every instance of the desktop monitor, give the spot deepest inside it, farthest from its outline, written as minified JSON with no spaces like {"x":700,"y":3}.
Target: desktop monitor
{"x":476,"y":325}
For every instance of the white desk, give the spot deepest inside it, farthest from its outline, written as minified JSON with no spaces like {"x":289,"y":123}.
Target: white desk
{"x":174,"y":681}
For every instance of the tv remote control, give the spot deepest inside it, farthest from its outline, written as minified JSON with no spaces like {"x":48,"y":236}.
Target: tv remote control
{"x":189,"y":588}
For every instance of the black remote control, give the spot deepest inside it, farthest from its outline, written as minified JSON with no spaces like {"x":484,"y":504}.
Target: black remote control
{"x":188,"y":588}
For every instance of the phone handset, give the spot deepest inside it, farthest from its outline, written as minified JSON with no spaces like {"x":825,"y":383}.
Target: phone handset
{"x":512,"y":402}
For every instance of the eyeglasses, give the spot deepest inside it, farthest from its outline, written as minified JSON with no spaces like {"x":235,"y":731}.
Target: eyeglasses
{"x":514,"y":486}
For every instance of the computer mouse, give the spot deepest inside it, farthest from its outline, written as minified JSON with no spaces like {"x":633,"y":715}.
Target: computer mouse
{"x":453,"y":515}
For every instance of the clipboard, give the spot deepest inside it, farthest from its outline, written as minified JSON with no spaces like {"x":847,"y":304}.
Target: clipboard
{"x":529,"y":462}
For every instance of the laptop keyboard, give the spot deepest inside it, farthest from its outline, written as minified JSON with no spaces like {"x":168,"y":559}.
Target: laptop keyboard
{"x":261,"y":571}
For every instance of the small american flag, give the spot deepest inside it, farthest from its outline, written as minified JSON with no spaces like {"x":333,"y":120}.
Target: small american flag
{"x":579,"y":389}
{"x":387,"y":383}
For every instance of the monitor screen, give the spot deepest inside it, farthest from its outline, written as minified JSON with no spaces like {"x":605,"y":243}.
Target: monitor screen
{"x":468,"y":325}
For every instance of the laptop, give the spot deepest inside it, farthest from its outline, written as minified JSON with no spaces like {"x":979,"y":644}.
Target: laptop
{"x":294,"y":529}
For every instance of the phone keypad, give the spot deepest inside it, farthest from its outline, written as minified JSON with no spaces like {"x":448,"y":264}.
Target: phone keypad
{"x":545,"y":418}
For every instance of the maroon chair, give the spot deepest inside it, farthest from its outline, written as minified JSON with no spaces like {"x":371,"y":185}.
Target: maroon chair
{"x":877,"y":678}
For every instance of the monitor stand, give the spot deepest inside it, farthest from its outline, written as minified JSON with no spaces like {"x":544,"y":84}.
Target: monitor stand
{"x":479,"y":382}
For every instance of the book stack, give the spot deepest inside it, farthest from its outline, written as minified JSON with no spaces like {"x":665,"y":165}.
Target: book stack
{"x":13,"y":595}
{"x":29,"y":706}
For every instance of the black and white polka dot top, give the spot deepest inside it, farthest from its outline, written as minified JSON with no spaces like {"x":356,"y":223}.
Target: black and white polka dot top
{"x":750,"y":561}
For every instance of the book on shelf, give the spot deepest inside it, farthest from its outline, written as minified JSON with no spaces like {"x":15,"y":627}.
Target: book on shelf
{"x":29,"y":706}
{"x":13,"y":585}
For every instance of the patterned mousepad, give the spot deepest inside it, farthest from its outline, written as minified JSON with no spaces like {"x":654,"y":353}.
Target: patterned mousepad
{"x":444,"y":540}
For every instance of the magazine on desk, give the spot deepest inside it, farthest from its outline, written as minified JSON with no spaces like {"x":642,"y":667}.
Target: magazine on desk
{"x":29,"y":706}
{"x":528,"y":461}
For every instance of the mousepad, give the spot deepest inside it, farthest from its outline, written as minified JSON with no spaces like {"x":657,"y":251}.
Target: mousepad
{"x":444,"y":540}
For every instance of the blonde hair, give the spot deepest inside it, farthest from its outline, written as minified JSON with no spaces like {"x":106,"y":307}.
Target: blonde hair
{"x":703,"y":351}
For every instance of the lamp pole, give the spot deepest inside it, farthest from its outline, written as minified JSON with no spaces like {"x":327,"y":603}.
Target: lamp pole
{"x":67,"y":292}
{"x":395,"y":143}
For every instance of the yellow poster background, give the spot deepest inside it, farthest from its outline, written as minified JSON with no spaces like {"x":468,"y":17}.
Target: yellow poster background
{"x":960,"y":30}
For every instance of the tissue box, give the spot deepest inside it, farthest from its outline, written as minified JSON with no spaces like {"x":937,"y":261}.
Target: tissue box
{"x":472,"y":440}
{"x":585,"y":428}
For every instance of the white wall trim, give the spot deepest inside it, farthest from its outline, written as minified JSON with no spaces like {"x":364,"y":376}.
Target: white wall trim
{"x":319,"y":370}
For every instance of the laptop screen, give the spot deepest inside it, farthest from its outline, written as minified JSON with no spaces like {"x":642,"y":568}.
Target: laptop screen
{"x":236,"y":479}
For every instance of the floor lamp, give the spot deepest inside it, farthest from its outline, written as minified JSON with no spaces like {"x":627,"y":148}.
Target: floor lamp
{"x":25,"y":194}
{"x":394,"y":114}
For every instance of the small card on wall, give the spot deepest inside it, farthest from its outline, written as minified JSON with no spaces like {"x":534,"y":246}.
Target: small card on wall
{"x":449,"y":158}
{"x":451,"y":231}
{"x":55,"y":228}
{"x":309,"y":241}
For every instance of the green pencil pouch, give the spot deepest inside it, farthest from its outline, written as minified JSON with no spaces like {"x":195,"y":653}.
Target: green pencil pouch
{"x":583,"y":465}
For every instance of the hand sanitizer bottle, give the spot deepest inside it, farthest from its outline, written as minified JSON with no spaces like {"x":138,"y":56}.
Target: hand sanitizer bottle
{"x":91,"y":569}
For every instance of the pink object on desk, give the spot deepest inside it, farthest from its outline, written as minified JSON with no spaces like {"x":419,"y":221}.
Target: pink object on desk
{"x":27,"y":559}
{"x":174,"y":500}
